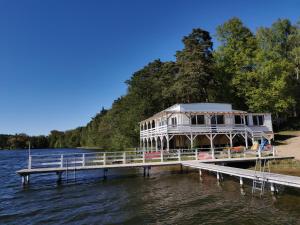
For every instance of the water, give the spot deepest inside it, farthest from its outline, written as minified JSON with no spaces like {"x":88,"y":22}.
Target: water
{"x":126,"y":197}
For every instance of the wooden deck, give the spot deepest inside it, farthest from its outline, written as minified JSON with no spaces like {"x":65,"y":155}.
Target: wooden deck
{"x":272,"y":178}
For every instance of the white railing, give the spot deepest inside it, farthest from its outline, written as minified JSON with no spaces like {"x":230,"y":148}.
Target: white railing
{"x":187,"y":128}
{"x":86,"y":160}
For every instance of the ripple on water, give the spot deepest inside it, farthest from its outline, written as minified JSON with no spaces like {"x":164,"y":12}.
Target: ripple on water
{"x":128,"y":198}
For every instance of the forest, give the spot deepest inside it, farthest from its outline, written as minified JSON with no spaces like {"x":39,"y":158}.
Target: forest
{"x":253,"y":71}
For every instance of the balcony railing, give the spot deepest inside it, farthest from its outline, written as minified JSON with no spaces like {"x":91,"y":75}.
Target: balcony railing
{"x":192,"y":128}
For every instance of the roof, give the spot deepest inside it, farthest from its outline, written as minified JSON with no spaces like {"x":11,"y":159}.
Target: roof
{"x":199,"y":108}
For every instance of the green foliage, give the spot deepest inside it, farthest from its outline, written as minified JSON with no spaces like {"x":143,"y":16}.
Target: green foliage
{"x":253,"y":71}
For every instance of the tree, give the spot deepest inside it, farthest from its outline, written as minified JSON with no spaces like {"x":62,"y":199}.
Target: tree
{"x":195,"y":75}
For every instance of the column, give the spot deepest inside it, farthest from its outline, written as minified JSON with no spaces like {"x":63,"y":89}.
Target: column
{"x":212,"y":146}
{"x":246,"y":140}
{"x":168,"y":144}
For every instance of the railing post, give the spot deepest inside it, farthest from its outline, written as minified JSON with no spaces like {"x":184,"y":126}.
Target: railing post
{"x":196,"y":154}
{"x":245,"y":152}
{"x":61,"y":160}
{"x":83,"y":159}
{"x":213,"y":152}
{"x":104,"y":158}
{"x":124,"y":157}
{"x":144,"y":159}
{"x":273,"y":149}
{"x":229,"y":153}
{"x":161,"y":155}
{"x":29,"y":161}
{"x":179,"y":155}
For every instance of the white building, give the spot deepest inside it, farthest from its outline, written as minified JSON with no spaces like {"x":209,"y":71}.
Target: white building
{"x":200,"y":125}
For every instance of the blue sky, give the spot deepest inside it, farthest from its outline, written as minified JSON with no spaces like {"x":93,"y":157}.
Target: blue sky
{"x":61,"y":61}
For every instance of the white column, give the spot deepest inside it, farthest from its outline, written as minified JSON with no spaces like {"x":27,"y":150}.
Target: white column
{"x":246,"y":140}
{"x":230,"y":139}
{"x":156,"y":144}
{"x":168,"y":144}
{"x":212,"y":146}
{"x":191,"y":140}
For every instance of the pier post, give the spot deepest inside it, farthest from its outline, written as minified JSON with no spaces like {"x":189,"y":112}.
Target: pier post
{"x":104,"y":158}
{"x":229,"y":153}
{"x":200,"y":172}
{"x":144,"y":160}
{"x":124,"y":157}
{"x":29,"y":161}
{"x":273,"y":188}
{"x":161,"y":156}
{"x":196,"y":154}
{"x":241,"y":182}
{"x":218,"y":176}
{"x":179,"y":155}
{"x":83,"y":159}
{"x":61,"y":160}
{"x":273,"y":150}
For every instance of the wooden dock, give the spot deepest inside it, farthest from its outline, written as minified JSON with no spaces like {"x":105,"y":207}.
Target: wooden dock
{"x":268,"y":177}
{"x":64,"y":163}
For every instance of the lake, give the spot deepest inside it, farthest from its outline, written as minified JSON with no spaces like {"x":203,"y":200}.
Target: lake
{"x":126,"y":197}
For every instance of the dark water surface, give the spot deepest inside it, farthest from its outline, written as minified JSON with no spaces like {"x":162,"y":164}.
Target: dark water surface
{"x":126,"y":197}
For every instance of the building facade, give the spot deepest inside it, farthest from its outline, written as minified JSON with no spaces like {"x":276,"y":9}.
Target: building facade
{"x":203,"y":125}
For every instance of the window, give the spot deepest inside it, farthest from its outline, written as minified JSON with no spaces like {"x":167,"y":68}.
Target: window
{"x":258,"y":120}
{"x":238,"y":119}
{"x":220,"y":119}
{"x":217,"y":119}
{"x":174,"y":121}
{"x":194,"y":120}
{"x":197,"y":119}
{"x":200,"y":119}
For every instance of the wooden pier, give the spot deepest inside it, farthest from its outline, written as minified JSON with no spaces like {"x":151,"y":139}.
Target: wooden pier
{"x":65,"y":163}
{"x":267,"y":177}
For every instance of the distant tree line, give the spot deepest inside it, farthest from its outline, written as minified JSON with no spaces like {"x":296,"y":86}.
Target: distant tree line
{"x":257,"y":72}
{"x":21,"y":141}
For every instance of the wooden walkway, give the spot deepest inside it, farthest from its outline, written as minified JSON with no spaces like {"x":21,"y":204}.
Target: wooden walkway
{"x":24,"y":172}
{"x":271,"y":178}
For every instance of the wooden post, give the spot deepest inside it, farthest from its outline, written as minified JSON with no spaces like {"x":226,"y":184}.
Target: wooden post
{"x":229,"y":153}
{"x":144,"y":159}
{"x":273,"y":150}
{"x":218,"y":176}
{"x":200,"y":172}
{"x":196,"y":154}
{"x":246,"y":140}
{"x":230,"y":139}
{"x":124,"y":157}
{"x":104,"y":158}
{"x":212,"y":146}
{"x":168,"y":144}
{"x":179,"y":155}
{"x":61,"y":160}
{"x":83,"y":159}
{"x":192,"y":141}
{"x":161,"y":156}
{"x":241,"y":182}
{"x":156,"y":144}
{"x":29,"y":161}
